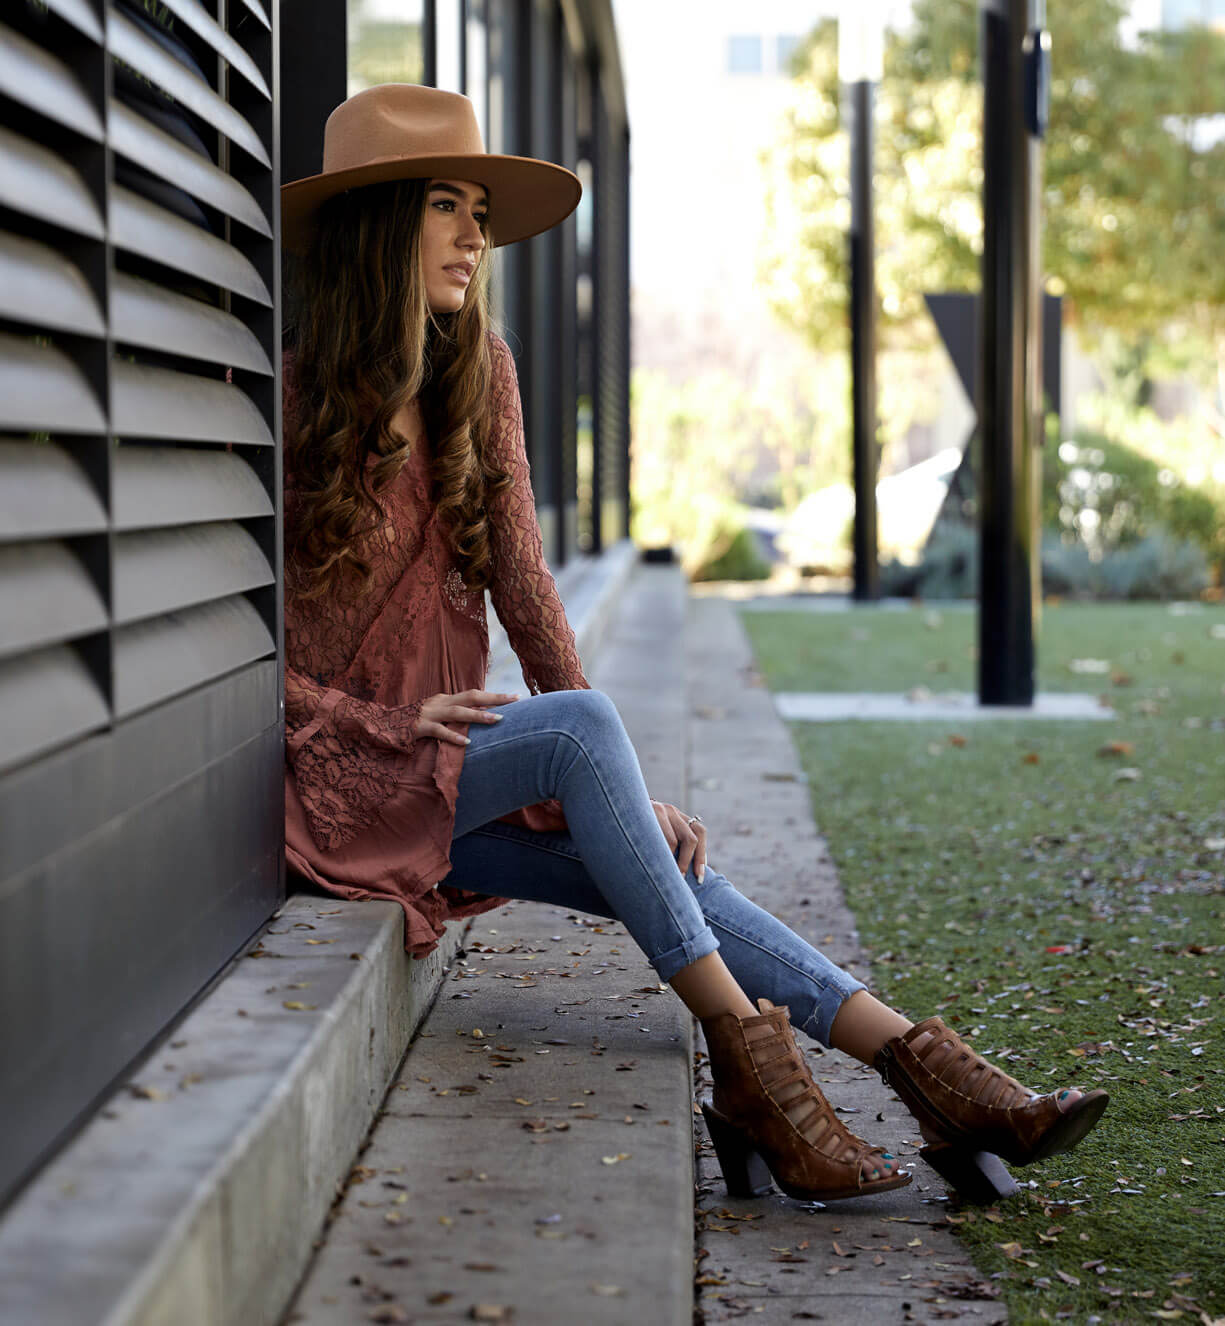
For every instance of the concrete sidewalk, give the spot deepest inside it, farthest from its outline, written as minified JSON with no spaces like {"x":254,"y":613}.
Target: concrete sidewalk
{"x":865,"y":1262}
{"x":533,"y":1161}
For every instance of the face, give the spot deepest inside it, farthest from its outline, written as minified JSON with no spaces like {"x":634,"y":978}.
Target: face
{"x":452,"y":241}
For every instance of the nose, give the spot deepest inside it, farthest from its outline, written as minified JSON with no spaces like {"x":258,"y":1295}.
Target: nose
{"x":471,"y":236}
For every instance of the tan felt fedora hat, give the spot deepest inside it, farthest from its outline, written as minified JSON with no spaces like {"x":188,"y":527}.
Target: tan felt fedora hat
{"x":399,"y":131}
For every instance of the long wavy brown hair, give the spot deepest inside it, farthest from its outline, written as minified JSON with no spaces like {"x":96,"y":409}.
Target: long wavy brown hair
{"x":365,"y":344}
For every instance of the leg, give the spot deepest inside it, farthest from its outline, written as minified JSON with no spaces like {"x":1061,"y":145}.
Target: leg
{"x":548,"y":867}
{"x":572,"y":745}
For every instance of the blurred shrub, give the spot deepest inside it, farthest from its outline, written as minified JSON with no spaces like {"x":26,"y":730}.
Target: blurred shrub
{"x":1107,"y":495}
{"x":732,"y":554}
{"x":1158,"y":566}
{"x":947,"y":570}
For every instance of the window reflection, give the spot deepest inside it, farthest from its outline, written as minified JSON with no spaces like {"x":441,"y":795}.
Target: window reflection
{"x":384,"y":43}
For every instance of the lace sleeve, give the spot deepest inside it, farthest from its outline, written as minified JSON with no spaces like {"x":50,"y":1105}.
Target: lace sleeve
{"x":347,"y":756}
{"x":522,"y":588}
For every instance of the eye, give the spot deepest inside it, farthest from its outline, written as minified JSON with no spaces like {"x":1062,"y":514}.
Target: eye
{"x":482,"y":219}
{"x":447,"y":204}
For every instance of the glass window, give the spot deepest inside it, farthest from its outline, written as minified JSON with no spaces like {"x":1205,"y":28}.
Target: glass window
{"x":384,"y":43}
{"x":448,"y":18}
{"x":785,"y":47}
{"x":744,"y":55}
{"x":476,"y":83}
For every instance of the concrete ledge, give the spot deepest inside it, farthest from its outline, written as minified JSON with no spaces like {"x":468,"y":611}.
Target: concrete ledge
{"x":195,"y":1194}
{"x":590,"y":587}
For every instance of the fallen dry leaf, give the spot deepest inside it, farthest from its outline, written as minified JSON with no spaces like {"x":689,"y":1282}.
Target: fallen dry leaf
{"x":1116,"y":748}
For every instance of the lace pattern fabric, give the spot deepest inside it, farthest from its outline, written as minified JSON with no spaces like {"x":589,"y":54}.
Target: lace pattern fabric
{"x":370,"y":806}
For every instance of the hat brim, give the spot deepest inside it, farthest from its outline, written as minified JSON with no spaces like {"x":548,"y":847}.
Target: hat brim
{"x":526,"y":196}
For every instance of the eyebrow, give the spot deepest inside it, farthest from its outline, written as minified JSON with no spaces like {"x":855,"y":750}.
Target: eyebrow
{"x":482,"y":200}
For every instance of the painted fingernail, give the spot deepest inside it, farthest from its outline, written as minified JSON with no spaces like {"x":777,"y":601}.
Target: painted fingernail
{"x":497,"y":718}
{"x":467,"y":741}
{"x":701,"y":874}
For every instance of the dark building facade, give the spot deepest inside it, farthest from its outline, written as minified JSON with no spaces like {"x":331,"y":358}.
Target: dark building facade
{"x":141,"y":720}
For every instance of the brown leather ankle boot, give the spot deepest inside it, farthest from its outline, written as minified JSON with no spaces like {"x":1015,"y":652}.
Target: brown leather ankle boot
{"x":814,"y":1158}
{"x":971,"y":1112}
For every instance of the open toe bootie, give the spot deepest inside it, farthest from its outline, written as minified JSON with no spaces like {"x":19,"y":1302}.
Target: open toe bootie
{"x":977,"y":1112}
{"x":768,"y":1118}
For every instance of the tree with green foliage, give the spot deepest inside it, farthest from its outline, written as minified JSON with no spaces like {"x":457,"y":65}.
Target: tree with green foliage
{"x":1134,"y":190}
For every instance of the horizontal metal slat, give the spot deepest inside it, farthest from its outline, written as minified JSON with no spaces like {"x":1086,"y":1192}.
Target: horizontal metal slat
{"x":161,"y":402}
{"x":260,"y":13}
{"x":140,"y":226}
{"x":156,"y":486}
{"x":40,"y":286}
{"x":134,"y":137}
{"x":44,"y":492}
{"x":158,"y":571}
{"x":145,"y":313}
{"x":46,"y":700}
{"x":41,"y":388}
{"x":128,"y":43}
{"x":46,"y":597}
{"x":172,"y":654}
{"x":30,"y":74}
{"x":79,"y":14}
{"x":40,"y":183}
{"x":205,"y":26}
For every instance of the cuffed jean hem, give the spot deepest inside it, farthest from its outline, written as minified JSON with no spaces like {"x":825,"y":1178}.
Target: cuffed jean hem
{"x":675,"y":959}
{"x":768,"y":958}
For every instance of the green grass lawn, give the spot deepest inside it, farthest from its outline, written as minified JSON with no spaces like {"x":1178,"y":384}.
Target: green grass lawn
{"x":1056,"y":891}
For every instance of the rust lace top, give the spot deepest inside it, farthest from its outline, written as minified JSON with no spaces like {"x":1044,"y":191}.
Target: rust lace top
{"x":369,"y":810}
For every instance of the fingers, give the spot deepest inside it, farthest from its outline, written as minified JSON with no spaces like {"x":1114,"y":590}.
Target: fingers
{"x":443,"y":734}
{"x":682,"y":838}
{"x":483,"y":697}
{"x":699,"y":856}
{"x":665,"y":823}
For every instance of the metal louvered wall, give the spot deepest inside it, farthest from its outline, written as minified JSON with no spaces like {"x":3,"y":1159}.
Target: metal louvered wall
{"x":141,"y":740}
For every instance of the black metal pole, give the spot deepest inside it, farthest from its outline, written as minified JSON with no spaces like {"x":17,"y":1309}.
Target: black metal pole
{"x":863,"y":344}
{"x":1010,"y":372}
{"x":429,"y":44}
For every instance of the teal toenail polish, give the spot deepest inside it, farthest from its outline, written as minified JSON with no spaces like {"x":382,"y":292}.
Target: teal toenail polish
{"x":1063,"y":1095}
{"x":886,"y":1155}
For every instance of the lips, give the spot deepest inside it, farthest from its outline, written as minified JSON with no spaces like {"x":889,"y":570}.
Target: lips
{"x":461,"y":271}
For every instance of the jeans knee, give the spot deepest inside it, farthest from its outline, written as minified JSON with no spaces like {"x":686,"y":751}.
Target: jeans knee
{"x":587,"y":713}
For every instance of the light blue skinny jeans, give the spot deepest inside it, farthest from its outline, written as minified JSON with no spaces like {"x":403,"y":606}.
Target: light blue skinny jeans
{"x":615,"y":861}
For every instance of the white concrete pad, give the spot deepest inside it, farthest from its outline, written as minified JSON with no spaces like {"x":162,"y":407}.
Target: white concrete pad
{"x":921,"y":705}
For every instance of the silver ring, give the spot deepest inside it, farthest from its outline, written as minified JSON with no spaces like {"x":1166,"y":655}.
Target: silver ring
{"x":695,"y":819}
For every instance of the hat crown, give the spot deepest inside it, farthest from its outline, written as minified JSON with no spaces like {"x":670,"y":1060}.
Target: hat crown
{"x":394,"y":120}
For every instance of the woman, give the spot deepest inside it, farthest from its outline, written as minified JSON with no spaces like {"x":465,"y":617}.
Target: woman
{"x":407,"y":495}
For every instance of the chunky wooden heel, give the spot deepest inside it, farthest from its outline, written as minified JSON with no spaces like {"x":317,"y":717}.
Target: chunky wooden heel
{"x":744,"y":1171}
{"x":769,"y":1120}
{"x":978,"y":1177}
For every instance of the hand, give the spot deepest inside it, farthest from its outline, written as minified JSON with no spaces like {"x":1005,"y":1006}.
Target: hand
{"x":685,"y":832}
{"x":462,"y":708}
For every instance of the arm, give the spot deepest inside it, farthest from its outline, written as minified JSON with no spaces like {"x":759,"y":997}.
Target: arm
{"x":347,"y":756}
{"x":522,"y":588}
